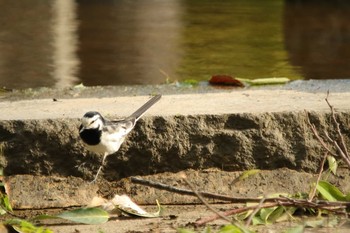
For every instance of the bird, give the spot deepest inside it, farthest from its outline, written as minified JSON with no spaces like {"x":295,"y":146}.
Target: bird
{"x":103,"y":136}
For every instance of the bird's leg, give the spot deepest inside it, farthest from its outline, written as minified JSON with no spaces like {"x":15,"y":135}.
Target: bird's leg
{"x":100,"y":168}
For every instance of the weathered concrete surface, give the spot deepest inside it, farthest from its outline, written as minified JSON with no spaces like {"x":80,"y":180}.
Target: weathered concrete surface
{"x":231,"y":131}
{"x":245,"y":101}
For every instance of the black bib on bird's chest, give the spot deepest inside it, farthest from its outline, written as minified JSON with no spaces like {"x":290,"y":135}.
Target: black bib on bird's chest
{"x":91,"y":136}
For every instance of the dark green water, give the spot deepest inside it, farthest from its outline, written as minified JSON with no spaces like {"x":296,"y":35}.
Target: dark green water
{"x":241,"y":38}
{"x":64,"y":43}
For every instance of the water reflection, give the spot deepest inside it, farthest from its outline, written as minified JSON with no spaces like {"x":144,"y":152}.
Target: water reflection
{"x":234,"y":37}
{"x":25,"y":44}
{"x":317,"y":37}
{"x":128,"y":42}
{"x":61,"y":43}
{"x":65,"y":42}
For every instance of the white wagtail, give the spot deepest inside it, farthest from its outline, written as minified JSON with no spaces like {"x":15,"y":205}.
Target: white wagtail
{"x":105,"y":137}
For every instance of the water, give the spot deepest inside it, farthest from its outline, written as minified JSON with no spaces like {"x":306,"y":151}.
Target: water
{"x":61,"y":43}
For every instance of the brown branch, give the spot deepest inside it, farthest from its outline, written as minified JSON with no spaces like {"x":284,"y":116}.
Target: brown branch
{"x":342,"y":154}
{"x":315,"y":132}
{"x":199,"y":196}
{"x":256,"y":210}
{"x":312,"y":195}
{"x":335,"y":206}
{"x":161,"y":186}
{"x":288,"y":202}
{"x":343,"y":145}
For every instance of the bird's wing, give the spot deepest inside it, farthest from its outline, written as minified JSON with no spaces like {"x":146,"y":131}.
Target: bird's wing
{"x":121,"y":127}
{"x":139,"y":112}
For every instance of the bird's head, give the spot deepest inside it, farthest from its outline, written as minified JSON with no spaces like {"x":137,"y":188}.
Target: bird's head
{"x":91,"y":120}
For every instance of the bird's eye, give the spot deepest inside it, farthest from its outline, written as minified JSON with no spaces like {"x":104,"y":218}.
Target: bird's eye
{"x":92,"y":122}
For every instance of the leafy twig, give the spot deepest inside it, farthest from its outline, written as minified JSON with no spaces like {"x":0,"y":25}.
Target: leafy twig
{"x":336,"y":207}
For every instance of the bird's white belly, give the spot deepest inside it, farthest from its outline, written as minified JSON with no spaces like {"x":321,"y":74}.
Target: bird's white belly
{"x":110,"y":143}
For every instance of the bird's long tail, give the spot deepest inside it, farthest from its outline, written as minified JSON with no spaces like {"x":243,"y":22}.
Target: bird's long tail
{"x":139,"y":112}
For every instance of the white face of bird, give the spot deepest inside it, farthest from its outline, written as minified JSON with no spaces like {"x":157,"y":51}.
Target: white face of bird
{"x":91,"y":121}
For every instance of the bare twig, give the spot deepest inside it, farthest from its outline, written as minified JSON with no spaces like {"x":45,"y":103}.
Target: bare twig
{"x":341,"y":152}
{"x":288,"y":202}
{"x":256,"y":210}
{"x":343,"y":156}
{"x":158,"y":185}
{"x":314,"y":130}
{"x":199,"y":196}
{"x":282,"y":199}
{"x":343,"y":145}
{"x":312,"y":195}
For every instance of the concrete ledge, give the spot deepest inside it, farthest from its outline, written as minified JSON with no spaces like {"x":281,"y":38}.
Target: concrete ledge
{"x":230,"y":131}
{"x":246,"y":101}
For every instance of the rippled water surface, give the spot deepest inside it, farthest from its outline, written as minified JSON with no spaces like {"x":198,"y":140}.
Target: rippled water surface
{"x":61,"y":43}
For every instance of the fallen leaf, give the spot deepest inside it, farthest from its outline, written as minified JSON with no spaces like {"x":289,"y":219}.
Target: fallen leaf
{"x":225,"y":80}
{"x":85,"y":215}
{"x":126,"y":205}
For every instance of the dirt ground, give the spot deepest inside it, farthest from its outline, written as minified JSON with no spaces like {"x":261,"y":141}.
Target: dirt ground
{"x":180,"y":211}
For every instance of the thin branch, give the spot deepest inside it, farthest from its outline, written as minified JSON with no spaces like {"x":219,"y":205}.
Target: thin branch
{"x":288,"y":202}
{"x":314,"y":130}
{"x":161,"y":186}
{"x":251,"y":216}
{"x":337,"y":207}
{"x":345,"y":158}
{"x":282,"y":199}
{"x":312,"y":195}
{"x":199,"y":196}
{"x":343,"y":145}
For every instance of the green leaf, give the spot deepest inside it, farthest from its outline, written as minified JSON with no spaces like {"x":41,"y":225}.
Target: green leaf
{"x":287,"y":214}
{"x":276,"y":214}
{"x":183,"y":230}
{"x":332,"y":164}
{"x":230,"y":229}
{"x":266,"y":212}
{"x":257,"y":221}
{"x":297,"y":229}
{"x":315,"y":223}
{"x":23,"y":226}
{"x":322,"y":222}
{"x":86,"y":215}
{"x":330,"y":192}
{"x":266,"y":81}
{"x":43,"y":217}
{"x":247,"y":174}
{"x":5,"y":205}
